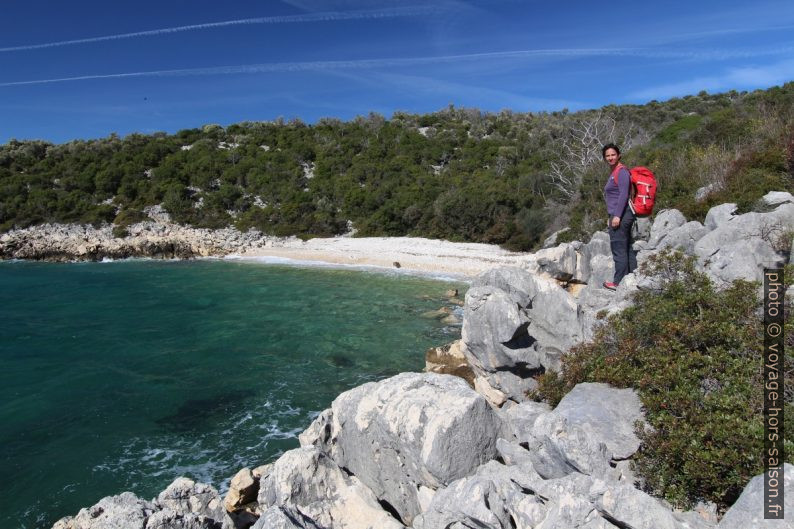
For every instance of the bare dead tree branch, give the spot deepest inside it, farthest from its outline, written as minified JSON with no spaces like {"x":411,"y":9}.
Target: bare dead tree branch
{"x":581,"y":147}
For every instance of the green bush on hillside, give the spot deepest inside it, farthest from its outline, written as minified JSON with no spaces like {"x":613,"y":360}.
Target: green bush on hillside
{"x":694,"y":354}
{"x":505,"y":178}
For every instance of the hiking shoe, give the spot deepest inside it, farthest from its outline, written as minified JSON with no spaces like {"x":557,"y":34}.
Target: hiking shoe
{"x":610,"y":286}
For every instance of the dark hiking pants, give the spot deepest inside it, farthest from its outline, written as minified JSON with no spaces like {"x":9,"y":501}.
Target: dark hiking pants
{"x":620,"y":240}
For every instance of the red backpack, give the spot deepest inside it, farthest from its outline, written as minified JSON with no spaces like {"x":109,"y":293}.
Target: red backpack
{"x":643,"y":189}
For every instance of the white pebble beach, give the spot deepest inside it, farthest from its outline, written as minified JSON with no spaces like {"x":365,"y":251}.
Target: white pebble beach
{"x":425,"y":256}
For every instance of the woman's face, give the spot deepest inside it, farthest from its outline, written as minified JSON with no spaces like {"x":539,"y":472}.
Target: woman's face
{"x":611,"y":156}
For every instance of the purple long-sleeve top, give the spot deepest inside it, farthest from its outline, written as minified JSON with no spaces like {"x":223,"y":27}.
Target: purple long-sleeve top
{"x":617,"y":195}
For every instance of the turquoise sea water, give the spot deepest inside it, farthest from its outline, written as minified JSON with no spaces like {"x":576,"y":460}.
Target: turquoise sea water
{"x":122,"y":376}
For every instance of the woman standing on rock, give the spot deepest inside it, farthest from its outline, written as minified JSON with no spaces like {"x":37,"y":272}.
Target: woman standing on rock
{"x":616,"y":195}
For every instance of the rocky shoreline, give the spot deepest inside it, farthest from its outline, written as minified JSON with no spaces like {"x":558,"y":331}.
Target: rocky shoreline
{"x":160,"y":240}
{"x":433,"y":451}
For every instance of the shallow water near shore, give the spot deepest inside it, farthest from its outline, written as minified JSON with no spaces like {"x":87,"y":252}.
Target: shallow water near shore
{"x":122,"y":376}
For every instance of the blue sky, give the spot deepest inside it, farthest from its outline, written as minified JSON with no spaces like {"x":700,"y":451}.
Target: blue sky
{"x":84,"y":69}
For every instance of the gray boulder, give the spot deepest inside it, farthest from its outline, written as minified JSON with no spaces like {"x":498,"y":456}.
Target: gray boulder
{"x":570,"y":262}
{"x":602,"y":268}
{"x":775,"y":198}
{"x":549,"y":461}
{"x":595,"y":297}
{"x":186,"y":497}
{"x":591,"y":429}
{"x":748,"y":510}
{"x":742,"y":259}
{"x":492,"y":498}
{"x":577,"y":500}
{"x":124,"y":511}
{"x":498,"y":346}
{"x":517,"y":283}
{"x":597,"y":260}
{"x":513,"y":454}
{"x":408,"y":431}
{"x":666,"y":221}
{"x":683,"y":237}
{"x":554,"y":322}
{"x":487,"y":384}
{"x":312,"y":485}
{"x":500,"y":385}
{"x":319,"y":432}
{"x":559,"y":447}
{"x":625,"y":506}
{"x":520,"y":419}
{"x":599,"y":244}
{"x":168,"y":519}
{"x":562,"y":262}
{"x":719,"y":215}
{"x":606,"y":414}
{"x":741,"y":247}
{"x":569,"y":503}
{"x":628,"y":286}
{"x":284,"y":518}
{"x":542,"y":323}
{"x":495,"y":331}
{"x":705,"y":191}
{"x":596,"y":302}
{"x":553,"y":448}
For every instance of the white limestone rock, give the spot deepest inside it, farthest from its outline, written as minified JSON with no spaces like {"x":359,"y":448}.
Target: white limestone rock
{"x":492,"y":498}
{"x":408,"y":431}
{"x":284,"y":518}
{"x":748,"y":509}
{"x":312,"y":484}
{"x":775,"y":198}
{"x":186,"y":497}
{"x":520,"y":419}
{"x":683,"y":237}
{"x":606,"y":414}
{"x":551,"y":313}
{"x":124,"y":511}
{"x":666,"y":221}
{"x":719,"y":215}
{"x":742,"y":247}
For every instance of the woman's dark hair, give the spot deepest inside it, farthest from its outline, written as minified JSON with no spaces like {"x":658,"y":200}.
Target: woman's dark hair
{"x":608,"y":146}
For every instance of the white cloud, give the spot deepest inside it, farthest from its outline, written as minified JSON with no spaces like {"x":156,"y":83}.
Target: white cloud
{"x":460,"y":92}
{"x":749,"y":77}
{"x":287,"y":19}
{"x":418,"y":61}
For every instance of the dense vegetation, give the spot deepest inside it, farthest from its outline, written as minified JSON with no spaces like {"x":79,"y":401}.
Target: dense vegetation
{"x":694,"y":354}
{"x":460,"y":174}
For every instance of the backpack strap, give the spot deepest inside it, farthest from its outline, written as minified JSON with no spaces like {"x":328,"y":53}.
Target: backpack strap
{"x":617,"y":169}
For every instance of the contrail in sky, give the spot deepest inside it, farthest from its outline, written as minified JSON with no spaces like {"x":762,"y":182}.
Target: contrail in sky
{"x":287,"y":19}
{"x":414,"y":61}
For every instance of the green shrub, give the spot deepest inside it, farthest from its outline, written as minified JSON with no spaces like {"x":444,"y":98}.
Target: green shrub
{"x":125,"y":218}
{"x":128,"y":216}
{"x":680,"y":129}
{"x":694,"y":354}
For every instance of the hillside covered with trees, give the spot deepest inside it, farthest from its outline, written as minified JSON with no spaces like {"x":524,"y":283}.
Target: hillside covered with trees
{"x":460,"y":174}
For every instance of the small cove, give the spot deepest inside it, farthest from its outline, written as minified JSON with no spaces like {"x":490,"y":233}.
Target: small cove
{"x":122,"y":376}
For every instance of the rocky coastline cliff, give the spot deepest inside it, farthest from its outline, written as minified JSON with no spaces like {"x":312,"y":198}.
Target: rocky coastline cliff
{"x":432,"y":451}
{"x":156,"y":238}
